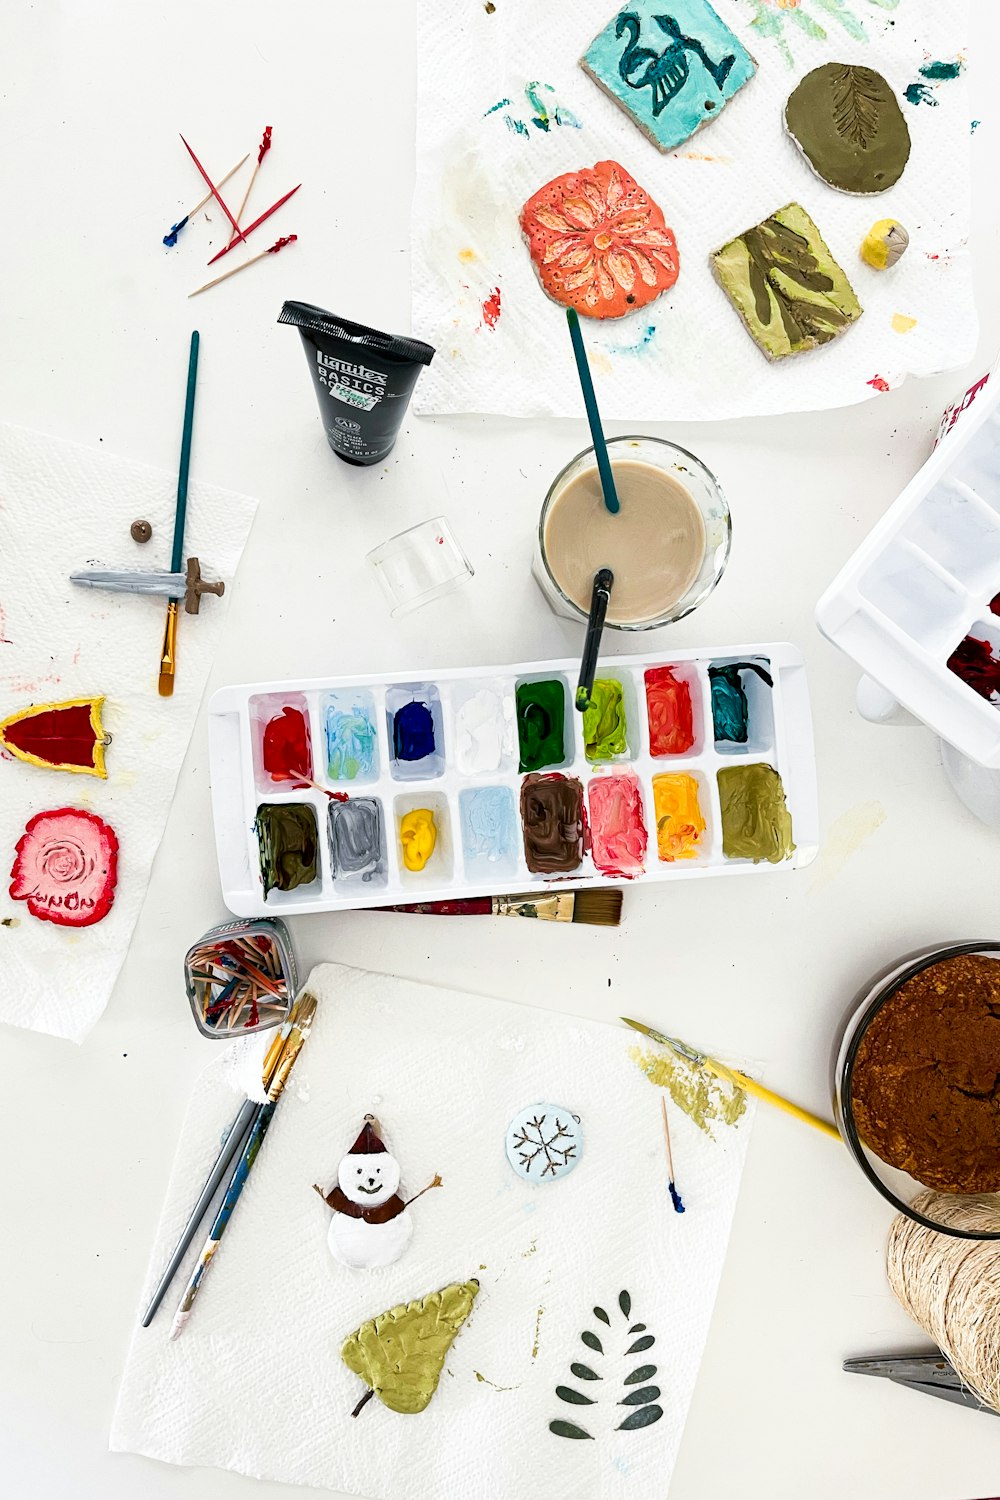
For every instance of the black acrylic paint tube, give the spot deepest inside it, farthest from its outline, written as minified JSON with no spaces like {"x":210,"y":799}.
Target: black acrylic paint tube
{"x":363,"y":379}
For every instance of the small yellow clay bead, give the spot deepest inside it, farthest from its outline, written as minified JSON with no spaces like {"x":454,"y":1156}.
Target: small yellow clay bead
{"x":418,"y":836}
{"x":884,"y":244}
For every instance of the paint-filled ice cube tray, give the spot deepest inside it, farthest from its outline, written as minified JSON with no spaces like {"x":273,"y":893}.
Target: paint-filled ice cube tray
{"x":372,"y":791}
{"x":918,"y":605}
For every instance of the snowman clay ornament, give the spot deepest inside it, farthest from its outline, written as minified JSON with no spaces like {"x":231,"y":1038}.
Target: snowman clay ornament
{"x":371,"y":1224}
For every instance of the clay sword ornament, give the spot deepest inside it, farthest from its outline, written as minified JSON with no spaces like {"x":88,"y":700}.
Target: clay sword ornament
{"x":189,"y":586}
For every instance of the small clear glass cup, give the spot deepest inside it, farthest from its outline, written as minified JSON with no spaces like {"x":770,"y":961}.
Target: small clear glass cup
{"x":897,"y":1187}
{"x":419,"y":565}
{"x":704,"y":489}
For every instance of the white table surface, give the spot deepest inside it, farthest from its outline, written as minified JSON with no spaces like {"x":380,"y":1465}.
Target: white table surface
{"x":94,"y":338}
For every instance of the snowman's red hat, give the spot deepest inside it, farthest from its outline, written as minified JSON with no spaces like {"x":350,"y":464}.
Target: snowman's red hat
{"x":367,"y":1143}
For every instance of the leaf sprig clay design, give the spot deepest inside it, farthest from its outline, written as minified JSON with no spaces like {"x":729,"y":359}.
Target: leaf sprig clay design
{"x":850,"y":127}
{"x":638,"y":1397}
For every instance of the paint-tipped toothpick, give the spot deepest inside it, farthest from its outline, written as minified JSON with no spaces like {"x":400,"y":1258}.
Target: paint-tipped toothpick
{"x":675,"y":1196}
{"x":214,"y":191}
{"x":170,"y":238}
{"x":289,"y":239}
{"x":256,"y":223}
{"x":262,"y":150}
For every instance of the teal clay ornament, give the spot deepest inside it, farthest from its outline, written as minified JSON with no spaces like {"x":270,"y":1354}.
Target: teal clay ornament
{"x":847,"y":123}
{"x":288,"y":839}
{"x":785,"y":284}
{"x":672,"y":67}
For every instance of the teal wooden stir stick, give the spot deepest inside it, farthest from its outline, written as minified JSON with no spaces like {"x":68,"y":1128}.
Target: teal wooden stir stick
{"x":168,"y":654}
{"x":593,"y":415}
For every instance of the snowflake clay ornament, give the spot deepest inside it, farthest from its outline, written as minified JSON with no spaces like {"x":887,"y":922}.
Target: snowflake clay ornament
{"x":544,"y":1142}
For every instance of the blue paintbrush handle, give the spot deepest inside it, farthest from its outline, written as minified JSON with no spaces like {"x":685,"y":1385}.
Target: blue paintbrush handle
{"x":180,"y":515}
{"x":258,"y":1130}
{"x":593,"y":415}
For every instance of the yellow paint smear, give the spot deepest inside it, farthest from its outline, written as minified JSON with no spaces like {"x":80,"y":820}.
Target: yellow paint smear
{"x":849,"y":833}
{"x":902,"y":324}
{"x":599,"y":362}
{"x":705,"y":1099}
{"x":538,"y":1324}
{"x":483,"y":1381}
{"x":467,"y":257}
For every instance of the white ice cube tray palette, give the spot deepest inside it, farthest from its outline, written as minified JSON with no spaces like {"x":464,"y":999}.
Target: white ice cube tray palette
{"x":779,"y":734}
{"x":926,"y":579}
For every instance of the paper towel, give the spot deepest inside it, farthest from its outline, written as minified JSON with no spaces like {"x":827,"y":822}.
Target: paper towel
{"x":687,"y":356}
{"x":63,"y":508}
{"x":256,"y":1383}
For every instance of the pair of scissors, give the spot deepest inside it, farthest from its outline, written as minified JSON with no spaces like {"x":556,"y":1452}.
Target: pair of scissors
{"x":930,"y":1373}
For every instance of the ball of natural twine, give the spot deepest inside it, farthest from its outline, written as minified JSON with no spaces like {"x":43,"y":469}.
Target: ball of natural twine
{"x":951,"y":1287}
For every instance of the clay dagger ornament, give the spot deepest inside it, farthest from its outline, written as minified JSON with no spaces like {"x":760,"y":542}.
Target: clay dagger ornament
{"x":188,"y":586}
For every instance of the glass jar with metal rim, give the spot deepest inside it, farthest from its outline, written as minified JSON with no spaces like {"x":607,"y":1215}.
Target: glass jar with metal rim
{"x":898,"y":1187}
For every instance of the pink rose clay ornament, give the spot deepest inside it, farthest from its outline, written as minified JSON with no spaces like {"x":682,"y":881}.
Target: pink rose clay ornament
{"x":66,"y":867}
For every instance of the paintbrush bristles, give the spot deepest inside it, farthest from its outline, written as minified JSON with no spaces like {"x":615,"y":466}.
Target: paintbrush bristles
{"x":598,"y":908}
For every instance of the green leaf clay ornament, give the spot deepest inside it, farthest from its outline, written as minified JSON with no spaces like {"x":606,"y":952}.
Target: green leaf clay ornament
{"x":619,"y":1341}
{"x":849,"y":126}
{"x":785,"y":284}
{"x":400,"y":1354}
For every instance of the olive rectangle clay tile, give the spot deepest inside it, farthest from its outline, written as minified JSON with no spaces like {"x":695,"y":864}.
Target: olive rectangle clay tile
{"x":554,"y":824}
{"x":672,"y":68}
{"x":627,"y":791}
{"x":782,"y":279}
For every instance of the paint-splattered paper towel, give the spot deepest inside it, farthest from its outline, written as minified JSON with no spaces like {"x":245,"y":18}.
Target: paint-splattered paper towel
{"x":63,"y":508}
{"x":503,"y":108}
{"x":256,"y":1383}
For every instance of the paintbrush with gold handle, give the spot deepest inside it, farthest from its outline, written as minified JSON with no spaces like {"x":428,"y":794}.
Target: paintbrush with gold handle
{"x":737,"y":1079}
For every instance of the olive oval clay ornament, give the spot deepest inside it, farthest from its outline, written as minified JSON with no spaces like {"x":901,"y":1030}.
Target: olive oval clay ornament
{"x":849,"y":126}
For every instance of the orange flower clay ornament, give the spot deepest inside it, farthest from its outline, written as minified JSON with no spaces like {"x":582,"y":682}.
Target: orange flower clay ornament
{"x":599,"y":243}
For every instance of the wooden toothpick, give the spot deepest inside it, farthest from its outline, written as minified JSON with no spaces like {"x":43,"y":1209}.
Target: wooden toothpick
{"x":170,"y":238}
{"x":288,"y":239}
{"x":263,"y":149}
{"x":675,"y":1196}
{"x":214,"y":191}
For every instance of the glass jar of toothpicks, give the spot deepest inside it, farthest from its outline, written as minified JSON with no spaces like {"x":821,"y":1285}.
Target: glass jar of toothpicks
{"x":241,"y":978}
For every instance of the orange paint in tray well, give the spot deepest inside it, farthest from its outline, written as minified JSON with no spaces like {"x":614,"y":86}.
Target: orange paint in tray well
{"x":679,"y":819}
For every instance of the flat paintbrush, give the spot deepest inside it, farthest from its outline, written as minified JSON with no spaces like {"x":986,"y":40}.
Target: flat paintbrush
{"x":734,"y":1077}
{"x":592,"y":908}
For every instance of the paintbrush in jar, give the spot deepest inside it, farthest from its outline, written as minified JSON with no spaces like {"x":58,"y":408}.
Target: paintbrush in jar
{"x":591,"y":908}
{"x":603,"y":583}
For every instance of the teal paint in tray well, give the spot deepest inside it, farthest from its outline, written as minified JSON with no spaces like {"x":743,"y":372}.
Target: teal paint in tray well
{"x":673,"y":65}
